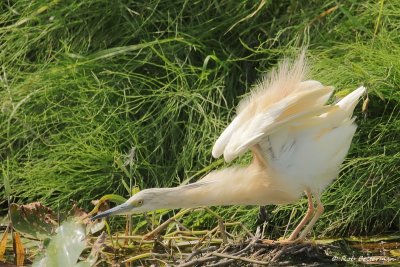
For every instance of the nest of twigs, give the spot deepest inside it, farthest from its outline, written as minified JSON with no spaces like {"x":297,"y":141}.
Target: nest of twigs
{"x":215,"y":247}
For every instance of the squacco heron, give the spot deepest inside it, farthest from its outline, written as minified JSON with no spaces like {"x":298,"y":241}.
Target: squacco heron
{"x":297,"y":140}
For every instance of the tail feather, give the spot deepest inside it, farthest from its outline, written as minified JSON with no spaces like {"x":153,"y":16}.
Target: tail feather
{"x":349,"y":102}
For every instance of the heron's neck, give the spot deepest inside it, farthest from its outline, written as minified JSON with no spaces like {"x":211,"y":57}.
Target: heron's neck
{"x":231,"y":186}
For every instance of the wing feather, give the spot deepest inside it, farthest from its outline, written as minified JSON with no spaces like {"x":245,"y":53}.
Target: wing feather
{"x":226,"y":135}
{"x":280,"y":99}
{"x":252,"y":130}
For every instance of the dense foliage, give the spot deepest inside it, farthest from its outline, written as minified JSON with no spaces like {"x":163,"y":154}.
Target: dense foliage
{"x":84,"y":82}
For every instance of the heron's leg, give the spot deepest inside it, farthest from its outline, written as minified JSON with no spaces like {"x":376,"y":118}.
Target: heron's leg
{"x":306,"y":218}
{"x":318,"y":212}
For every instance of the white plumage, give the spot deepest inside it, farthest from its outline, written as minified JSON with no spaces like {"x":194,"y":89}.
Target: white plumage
{"x":298,"y":143}
{"x":287,"y":123}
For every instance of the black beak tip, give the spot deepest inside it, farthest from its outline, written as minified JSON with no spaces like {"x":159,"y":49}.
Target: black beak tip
{"x":98,"y":216}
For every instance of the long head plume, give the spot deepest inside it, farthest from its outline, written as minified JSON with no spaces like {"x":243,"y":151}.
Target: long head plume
{"x":273,"y":87}
{"x":278,"y":83}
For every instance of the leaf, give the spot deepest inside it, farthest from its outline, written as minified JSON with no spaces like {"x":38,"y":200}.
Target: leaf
{"x":6,"y":180}
{"x":33,"y":219}
{"x":79,"y":214}
{"x":65,"y":247}
{"x":125,"y":185}
{"x":83,"y":217}
{"x":96,"y":248}
{"x":372,"y":238}
{"x":130,"y":158}
{"x":82,"y":264}
{"x":135,"y":190}
{"x":19,"y":251}
{"x":326,"y":241}
{"x":395,"y":252}
{"x":111,"y":197}
{"x":96,"y":226}
{"x":3,"y":243}
{"x":121,"y":165}
{"x":115,"y":51}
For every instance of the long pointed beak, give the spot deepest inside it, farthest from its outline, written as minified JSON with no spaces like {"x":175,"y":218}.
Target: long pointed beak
{"x":118,"y":210}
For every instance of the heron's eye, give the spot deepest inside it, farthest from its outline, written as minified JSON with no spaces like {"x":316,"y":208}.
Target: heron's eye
{"x":140,"y":202}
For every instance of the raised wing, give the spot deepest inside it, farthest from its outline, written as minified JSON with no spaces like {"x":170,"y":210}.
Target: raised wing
{"x":278,"y":100}
{"x":312,"y":149}
{"x":248,"y":129}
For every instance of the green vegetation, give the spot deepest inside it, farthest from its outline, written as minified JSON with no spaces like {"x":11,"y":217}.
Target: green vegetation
{"x":84,"y":82}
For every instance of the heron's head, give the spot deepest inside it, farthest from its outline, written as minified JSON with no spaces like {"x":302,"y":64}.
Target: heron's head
{"x":146,"y":200}
{"x":190,"y":195}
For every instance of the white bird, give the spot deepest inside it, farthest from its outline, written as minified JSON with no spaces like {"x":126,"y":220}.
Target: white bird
{"x":298,"y":142}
